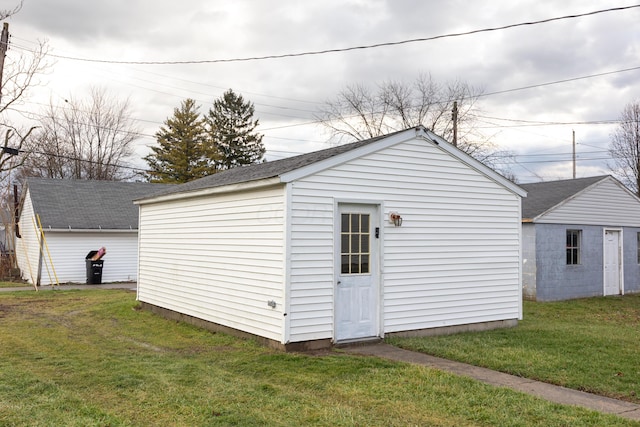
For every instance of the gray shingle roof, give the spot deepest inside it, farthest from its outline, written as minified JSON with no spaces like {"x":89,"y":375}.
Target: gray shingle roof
{"x":88,"y":205}
{"x":266,"y":170}
{"x":542,"y":196}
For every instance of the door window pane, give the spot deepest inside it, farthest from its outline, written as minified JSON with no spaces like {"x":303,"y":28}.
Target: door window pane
{"x":345,"y":222}
{"x":364,"y":222}
{"x":364,"y":241}
{"x":344,"y":245}
{"x":344,"y":268}
{"x":364,"y":264}
{"x":354,"y":243}
{"x":355,"y":223}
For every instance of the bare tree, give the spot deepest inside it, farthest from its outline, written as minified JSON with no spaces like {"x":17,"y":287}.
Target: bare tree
{"x":84,"y":139}
{"x":5,"y":13}
{"x":20,"y":69}
{"x":624,"y":147}
{"x":359,"y":112}
{"x":21,"y":72}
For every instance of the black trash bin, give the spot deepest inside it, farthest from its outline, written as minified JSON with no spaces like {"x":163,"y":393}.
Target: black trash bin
{"x":94,"y":269}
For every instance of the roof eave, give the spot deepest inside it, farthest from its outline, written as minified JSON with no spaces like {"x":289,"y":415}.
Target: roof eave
{"x":571,"y":197}
{"x":381,"y":143}
{"x":477,"y":165}
{"x":89,"y":230}
{"x":241,"y":186}
{"x":419,"y":132}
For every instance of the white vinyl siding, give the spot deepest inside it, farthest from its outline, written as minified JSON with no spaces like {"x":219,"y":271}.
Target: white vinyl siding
{"x":219,"y":258}
{"x":27,"y":246}
{"x":605,"y":203}
{"x":455,"y":259}
{"x":69,"y":249}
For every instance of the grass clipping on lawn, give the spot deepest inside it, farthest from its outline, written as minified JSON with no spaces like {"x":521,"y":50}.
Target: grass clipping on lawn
{"x":91,"y":358}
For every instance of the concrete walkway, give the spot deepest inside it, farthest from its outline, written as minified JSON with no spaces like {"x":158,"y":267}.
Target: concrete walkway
{"x":546,"y":391}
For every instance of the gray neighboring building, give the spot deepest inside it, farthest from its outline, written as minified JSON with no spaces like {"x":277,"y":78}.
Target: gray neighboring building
{"x":79,"y":216}
{"x":580,"y":238}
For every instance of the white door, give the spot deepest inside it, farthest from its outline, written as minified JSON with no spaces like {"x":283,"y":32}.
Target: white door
{"x":612,"y":264}
{"x":356,"y":296}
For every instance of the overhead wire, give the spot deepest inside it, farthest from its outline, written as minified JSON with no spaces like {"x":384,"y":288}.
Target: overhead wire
{"x":479,"y":95}
{"x":391,"y":44}
{"x":499,"y":92}
{"x":352,"y":48}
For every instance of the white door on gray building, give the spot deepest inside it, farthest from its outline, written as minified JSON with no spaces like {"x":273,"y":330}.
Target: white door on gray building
{"x":612,"y":263}
{"x":357,"y":295}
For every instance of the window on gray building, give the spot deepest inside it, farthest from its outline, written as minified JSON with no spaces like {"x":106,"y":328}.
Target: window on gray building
{"x":574,"y":238}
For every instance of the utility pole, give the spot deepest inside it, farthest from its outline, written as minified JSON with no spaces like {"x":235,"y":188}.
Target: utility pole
{"x":574,"y":154}
{"x":454,"y":117}
{"x":4,"y":45}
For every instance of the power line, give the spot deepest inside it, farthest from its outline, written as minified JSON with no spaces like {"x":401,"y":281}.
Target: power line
{"x":542,"y":123}
{"x":559,"y":154}
{"x":226,"y":87}
{"x":199,"y":83}
{"x":559,"y":81}
{"x":347,"y":49}
{"x":557,"y":161}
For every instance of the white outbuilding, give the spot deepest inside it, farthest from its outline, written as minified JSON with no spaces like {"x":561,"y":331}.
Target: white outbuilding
{"x":400,"y":234}
{"x":61,"y":221}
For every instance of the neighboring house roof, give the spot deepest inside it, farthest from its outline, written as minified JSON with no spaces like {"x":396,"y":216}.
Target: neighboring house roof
{"x":278,"y":168}
{"x":88,"y":205}
{"x":543,"y":196}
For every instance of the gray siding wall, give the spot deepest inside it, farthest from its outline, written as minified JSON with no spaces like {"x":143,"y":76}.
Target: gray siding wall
{"x":631,"y":266}
{"x":529,"y":261}
{"x":555,"y":280}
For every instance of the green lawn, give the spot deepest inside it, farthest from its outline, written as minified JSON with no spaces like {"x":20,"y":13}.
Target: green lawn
{"x":15,"y":285}
{"x":589,"y":344}
{"x":91,"y":358}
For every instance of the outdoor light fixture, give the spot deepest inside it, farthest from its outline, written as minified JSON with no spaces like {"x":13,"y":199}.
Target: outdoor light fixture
{"x":395,"y":219}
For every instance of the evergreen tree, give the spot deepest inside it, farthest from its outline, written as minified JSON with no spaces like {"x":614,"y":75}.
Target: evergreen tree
{"x":180,"y":156}
{"x":231,"y":128}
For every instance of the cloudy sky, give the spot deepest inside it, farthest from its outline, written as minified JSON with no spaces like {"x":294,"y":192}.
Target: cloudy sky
{"x":592,"y":59}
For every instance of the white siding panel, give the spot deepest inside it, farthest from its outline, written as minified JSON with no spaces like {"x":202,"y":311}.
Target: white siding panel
{"x":69,"y":249}
{"x":455,"y":259}
{"x":606,"y":203}
{"x":218,"y":258}
{"x":27,"y":246}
